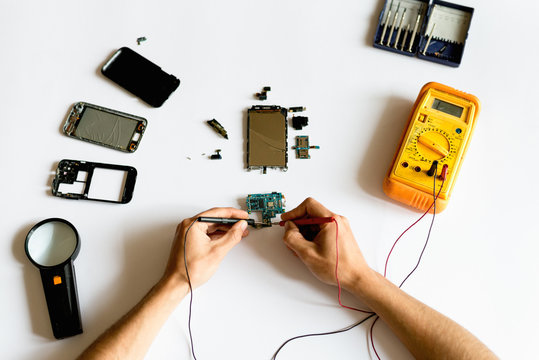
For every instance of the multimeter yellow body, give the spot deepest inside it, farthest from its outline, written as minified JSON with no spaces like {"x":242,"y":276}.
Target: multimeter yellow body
{"x":439,"y":129}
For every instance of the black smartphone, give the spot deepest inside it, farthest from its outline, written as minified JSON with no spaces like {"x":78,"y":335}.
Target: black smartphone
{"x":140,"y":76}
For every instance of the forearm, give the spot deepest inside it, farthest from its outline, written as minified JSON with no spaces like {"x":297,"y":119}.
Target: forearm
{"x":424,"y":331}
{"x":132,"y":335}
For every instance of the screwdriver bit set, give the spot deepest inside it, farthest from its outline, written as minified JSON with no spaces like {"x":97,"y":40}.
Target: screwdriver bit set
{"x":434,"y":31}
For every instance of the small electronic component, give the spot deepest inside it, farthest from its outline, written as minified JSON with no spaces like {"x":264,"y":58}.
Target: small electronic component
{"x":268,"y":204}
{"x":435,"y":32}
{"x":267,"y":145}
{"x":141,"y":40}
{"x":298,"y":122}
{"x":215,"y":125}
{"x":106,"y":127}
{"x":263,"y":95}
{"x":297,"y":109}
{"x":217,"y":155}
{"x":434,"y":141}
{"x":302,"y":147}
{"x":84,"y":180}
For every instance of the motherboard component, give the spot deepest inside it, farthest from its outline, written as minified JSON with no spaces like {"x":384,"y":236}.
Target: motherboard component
{"x":297,"y":109}
{"x":269,"y":204}
{"x":215,"y":125}
{"x":298,"y":122}
{"x":263,"y":95}
{"x":217,"y":155}
{"x":302,"y":147}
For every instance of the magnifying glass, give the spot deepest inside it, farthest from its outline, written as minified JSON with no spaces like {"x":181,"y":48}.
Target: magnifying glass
{"x":52,"y":245}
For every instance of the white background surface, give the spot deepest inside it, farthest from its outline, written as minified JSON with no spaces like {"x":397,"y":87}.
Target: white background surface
{"x":480,"y":267}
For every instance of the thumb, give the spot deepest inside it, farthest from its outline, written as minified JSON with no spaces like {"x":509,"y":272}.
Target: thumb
{"x":295,"y":241}
{"x":232,"y":236}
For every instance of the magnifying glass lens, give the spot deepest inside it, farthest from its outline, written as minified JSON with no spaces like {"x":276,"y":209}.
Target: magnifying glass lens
{"x":52,"y":243}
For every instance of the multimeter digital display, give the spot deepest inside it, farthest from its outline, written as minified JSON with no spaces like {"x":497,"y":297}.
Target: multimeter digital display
{"x":439,"y":129}
{"x":447,"y":108}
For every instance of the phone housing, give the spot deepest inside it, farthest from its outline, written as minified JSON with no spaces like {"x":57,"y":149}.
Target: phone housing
{"x":84,"y":180}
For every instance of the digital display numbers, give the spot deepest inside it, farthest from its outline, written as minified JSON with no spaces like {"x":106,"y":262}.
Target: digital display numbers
{"x":447,"y":108}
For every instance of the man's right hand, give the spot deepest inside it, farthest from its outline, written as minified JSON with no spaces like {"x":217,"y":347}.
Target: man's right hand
{"x":319,"y":255}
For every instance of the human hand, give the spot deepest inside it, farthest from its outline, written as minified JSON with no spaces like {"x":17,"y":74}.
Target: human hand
{"x":207,"y":244}
{"x":319,"y":255}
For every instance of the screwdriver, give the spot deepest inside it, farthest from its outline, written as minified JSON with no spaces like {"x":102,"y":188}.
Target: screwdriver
{"x":412,"y":40}
{"x":386,"y":23}
{"x":393,"y":25}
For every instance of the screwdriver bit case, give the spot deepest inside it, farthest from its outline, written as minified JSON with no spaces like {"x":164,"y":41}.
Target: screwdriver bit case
{"x":434,"y":31}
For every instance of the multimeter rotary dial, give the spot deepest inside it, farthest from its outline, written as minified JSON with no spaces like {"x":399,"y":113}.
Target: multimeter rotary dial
{"x":433,"y":143}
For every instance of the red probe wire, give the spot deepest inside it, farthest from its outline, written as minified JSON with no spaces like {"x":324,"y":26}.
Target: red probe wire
{"x":326,"y":220}
{"x":337,"y":270}
{"x":442,"y":177}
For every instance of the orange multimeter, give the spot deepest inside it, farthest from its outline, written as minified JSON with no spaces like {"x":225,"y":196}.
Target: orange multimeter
{"x":438,"y":132}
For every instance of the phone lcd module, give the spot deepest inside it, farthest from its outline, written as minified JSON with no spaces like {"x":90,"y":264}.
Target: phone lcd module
{"x":267,"y":145}
{"x":106,"y":127}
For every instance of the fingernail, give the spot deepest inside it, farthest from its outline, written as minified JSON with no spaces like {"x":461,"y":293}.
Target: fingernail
{"x":243,"y":225}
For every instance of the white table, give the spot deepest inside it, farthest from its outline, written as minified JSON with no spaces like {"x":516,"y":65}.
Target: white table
{"x":480,"y":267}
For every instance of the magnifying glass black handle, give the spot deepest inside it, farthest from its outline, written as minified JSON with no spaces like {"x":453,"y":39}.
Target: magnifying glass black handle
{"x":60,"y":288}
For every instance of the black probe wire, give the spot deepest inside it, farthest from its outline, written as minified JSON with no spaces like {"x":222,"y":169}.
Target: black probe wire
{"x":435,"y":196}
{"x":283,"y":344}
{"x":190,"y":288}
{"x":431,"y":223}
{"x":322,"y":334}
{"x":350,"y":327}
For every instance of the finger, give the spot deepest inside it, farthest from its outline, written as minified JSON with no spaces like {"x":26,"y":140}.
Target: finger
{"x":292,"y":251}
{"x":216,"y":235}
{"x":309,"y":207}
{"x":295,"y":241}
{"x":188,"y":223}
{"x":214,"y":227}
{"x":219,"y":233}
{"x":218,"y":212}
{"x":232,"y":236}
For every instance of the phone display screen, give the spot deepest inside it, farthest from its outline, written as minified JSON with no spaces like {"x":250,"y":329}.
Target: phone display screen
{"x":266,"y":138}
{"x":140,"y":76}
{"x":101,"y":126}
{"x":107,"y":127}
